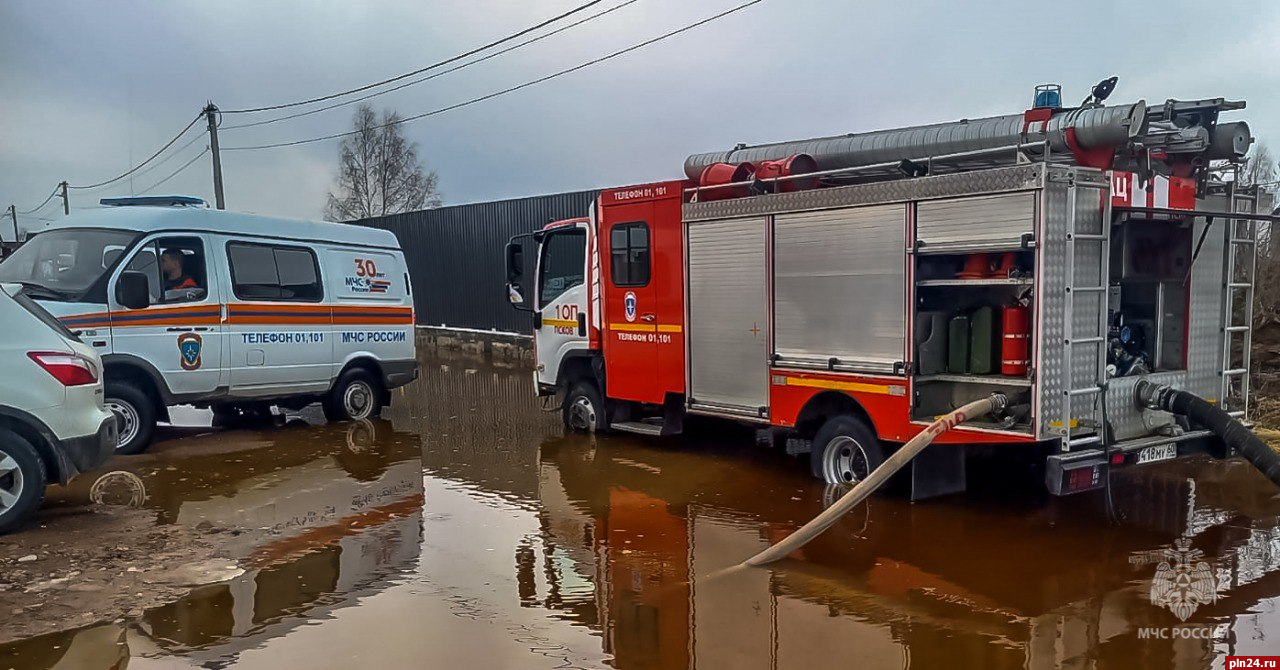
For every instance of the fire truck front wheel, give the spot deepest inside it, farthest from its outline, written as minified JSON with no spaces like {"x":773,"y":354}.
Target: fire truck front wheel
{"x":584,"y":409}
{"x":845,"y":451}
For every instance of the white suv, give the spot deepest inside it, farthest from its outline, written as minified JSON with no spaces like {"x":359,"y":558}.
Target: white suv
{"x":52,"y":422}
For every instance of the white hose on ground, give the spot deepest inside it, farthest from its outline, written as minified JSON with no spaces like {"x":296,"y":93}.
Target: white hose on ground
{"x":878,"y":477}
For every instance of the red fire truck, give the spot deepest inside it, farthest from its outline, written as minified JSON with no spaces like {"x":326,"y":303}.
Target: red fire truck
{"x":850,"y":289}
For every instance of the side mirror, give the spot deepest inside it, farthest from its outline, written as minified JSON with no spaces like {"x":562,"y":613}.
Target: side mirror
{"x":515,"y":276}
{"x":515,"y":262}
{"x":133,"y":290}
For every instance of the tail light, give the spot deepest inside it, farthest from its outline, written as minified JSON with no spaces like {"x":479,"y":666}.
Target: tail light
{"x":69,"y":369}
{"x":1075,"y":474}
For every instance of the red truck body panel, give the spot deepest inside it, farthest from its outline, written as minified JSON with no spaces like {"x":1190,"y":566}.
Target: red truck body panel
{"x":642,"y":318}
{"x":642,"y":321}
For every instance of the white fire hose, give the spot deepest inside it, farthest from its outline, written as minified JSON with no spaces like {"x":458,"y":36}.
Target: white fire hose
{"x":866,"y":487}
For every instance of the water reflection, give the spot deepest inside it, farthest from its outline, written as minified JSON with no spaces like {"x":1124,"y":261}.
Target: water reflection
{"x":479,"y":423}
{"x":955,"y":584}
{"x":534,"y":549}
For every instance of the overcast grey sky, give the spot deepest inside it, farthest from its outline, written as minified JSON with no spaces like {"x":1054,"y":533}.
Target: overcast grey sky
{"x":90,"y":88}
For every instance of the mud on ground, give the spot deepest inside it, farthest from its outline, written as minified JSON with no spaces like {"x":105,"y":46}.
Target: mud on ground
{"x":73,"y":566}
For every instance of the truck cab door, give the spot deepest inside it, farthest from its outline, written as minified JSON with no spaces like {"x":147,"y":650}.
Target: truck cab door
{"x":560,"y":299}
{"x":631,"y":322}
{"x":180,"y":334}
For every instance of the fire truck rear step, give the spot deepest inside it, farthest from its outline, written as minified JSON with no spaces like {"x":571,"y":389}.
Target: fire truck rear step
{"x":652,"y":427}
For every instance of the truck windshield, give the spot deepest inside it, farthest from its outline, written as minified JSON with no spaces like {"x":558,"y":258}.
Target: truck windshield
{"x":63,"y":264}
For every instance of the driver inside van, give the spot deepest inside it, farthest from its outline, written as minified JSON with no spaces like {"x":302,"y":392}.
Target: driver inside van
{"x":179,"y":286}
{"x":172,"y":265}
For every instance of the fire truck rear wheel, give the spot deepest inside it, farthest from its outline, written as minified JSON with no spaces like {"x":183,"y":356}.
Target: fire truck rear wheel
{"x":845,"y":451}
{"x":584,"y":409}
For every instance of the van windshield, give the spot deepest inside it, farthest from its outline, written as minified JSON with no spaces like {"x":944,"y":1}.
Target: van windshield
{"x":63,"y":264}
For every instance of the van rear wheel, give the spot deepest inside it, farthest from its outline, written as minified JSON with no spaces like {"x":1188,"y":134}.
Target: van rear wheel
{"x":135,"y":414}
{"x":22,"y":480}
{"x":356,"y":395}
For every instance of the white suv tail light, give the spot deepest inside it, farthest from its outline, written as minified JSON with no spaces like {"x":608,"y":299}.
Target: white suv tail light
{"x":69,"y":369}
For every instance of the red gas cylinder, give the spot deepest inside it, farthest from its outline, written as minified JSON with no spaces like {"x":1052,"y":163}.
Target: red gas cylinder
{"x":1015,"y":345}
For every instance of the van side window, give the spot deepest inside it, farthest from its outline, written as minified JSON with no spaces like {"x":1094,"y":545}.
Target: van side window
{"x":174,"y":267}
{"x":629,"y":254}
{"x":272,"y":272}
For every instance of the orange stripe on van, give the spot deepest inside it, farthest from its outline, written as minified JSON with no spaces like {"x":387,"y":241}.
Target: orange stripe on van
{"x":360,"y":314}
{"x":270,"y":314}
{"x":186,"y":315}
{"x":289,"y":314}
{"x":277,"y":314}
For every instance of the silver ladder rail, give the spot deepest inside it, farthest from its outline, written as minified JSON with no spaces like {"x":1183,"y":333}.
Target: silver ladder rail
{"x":1098,"y":339}
{"x":1242,"y":234}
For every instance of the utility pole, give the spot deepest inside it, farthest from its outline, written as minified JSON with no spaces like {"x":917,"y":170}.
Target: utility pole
{"x":211,"y":111}
{"x":13,"y":212}
{"x":66,"y":203}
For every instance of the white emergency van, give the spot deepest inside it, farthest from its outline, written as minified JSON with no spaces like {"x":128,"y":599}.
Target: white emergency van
{"x":236,"y":312}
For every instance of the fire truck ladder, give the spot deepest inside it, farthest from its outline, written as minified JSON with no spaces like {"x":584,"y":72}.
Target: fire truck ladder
{"x":1242,"y":240}
{"x":1096,"y":340}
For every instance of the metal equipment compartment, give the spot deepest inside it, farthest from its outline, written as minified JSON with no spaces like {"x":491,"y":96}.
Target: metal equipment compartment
{"x":839,"y":287}
{"x":975,"y":258}
{"x":728,"y":322}
{"x":994,"y":219}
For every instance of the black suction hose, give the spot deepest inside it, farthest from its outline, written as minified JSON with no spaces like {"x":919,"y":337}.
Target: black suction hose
{"x":1201,"y":412}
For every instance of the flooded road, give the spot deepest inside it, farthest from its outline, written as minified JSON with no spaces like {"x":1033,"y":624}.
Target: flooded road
{"x":465,"y":530}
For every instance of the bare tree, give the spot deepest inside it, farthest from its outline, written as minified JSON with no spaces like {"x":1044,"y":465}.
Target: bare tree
{"x":1261,"y":169}
{"x":379,"y":171}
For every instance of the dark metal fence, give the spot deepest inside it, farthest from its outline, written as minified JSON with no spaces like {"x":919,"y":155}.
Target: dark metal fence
{"x":455,"y":256}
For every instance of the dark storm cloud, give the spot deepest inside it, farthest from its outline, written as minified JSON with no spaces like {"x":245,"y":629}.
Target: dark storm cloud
{"x":90,"y":88}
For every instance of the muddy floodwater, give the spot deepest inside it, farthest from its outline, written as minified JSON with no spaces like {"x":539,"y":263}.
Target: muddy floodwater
{"x":465,"y":530}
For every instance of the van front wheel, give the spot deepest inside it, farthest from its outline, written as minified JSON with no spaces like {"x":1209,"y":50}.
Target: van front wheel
{"x":135,"y":414}
{"x":357,"y":395}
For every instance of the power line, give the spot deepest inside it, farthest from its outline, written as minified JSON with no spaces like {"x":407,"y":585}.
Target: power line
{"x":173,"y":154}
{"x":437,"y":74}
{"x":154,"y":166}
{"x":505,"y":91}
{"x":419,"y":70}
{"x":139,"y":165}
{"x":37,"y":208}
{"x":174,"y":174}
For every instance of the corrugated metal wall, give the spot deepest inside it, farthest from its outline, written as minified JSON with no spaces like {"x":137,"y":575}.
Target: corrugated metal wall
{"x":455,"y":256}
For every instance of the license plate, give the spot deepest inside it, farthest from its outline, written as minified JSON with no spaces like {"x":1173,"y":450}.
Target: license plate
{"x":1160,"y":452}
